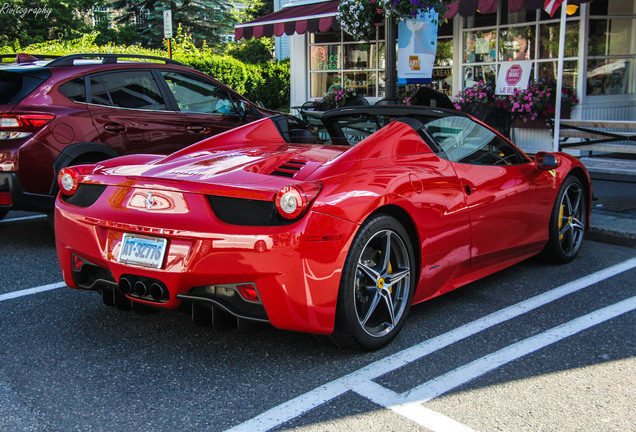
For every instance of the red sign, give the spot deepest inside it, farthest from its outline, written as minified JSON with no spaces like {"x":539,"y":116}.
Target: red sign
{"x":513,"y":76}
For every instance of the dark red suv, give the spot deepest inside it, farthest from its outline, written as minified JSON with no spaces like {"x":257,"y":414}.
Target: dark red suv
{"x":84,"y":108}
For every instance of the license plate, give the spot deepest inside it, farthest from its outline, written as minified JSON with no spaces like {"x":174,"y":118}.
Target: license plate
{"x":142,"y":250}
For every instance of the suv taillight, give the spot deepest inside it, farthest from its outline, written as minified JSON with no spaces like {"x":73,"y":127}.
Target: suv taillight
{"x":14,"y":126}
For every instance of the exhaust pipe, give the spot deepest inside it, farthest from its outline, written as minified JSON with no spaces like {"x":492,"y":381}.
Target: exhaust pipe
{"x":158,"y":291}
{"x":125,"y":286}
{"x":140,"y":288}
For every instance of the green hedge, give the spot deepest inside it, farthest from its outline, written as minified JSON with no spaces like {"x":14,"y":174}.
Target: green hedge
{"x":266,"y":83}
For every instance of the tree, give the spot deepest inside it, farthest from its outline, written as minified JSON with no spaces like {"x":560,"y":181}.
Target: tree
{"x":257,"y":9}
{"x":253,"y":50}
{"x":205,"y":20}
{"x":34,"y":21}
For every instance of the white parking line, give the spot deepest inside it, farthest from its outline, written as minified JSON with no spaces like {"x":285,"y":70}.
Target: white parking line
{"x":409,"y":403}
{"x":22,"y":218}
{"x":359,"y":379}
{"x":30,"y":291}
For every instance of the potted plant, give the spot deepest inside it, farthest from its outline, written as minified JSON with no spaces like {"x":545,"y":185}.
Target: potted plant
{"x":538,"y":101}
{"x":335,"y":97}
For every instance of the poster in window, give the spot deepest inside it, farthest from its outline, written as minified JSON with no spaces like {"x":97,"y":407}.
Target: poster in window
{"x":512,"y":76}
{"x":417,"y":44}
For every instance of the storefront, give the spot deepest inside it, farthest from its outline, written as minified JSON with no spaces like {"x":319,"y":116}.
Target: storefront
{"x":599,"y":57}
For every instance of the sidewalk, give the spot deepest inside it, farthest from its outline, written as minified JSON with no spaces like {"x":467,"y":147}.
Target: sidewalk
{"x":613,"y":218}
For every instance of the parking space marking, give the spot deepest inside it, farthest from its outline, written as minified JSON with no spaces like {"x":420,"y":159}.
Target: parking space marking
{"x":22,"y":218}
{"x":31,"y":291}
{"x":409,"y":403}
{"x":298,"y":406}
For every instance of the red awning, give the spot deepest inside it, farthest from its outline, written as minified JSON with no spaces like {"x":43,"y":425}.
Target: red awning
{"x":471,"y":7}
{"x":299,"y":19}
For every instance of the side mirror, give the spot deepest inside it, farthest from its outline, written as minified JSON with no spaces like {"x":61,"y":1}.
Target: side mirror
{"x":546,"y":161}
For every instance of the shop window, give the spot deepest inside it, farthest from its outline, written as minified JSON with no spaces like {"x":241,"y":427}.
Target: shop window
{"x":517,"y":43}
{"x":525,"y":35}
{"x":443,"y":66}
{"x":611,"y":48}
{"x":337,"y":60}
{"x":611,"y":37}
{"x":612,"y":7}
{"x":548,"y":71}
{"x":549,"y":40}
{"x":325,"y":57}
{"x":480,"y":46}
{"x":486,"y":73}
{"x":609,"y":77}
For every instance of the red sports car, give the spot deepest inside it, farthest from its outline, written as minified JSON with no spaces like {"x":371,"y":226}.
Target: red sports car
{"x":335,"y":233}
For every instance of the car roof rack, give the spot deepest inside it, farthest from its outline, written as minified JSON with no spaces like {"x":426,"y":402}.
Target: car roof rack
{"x":68,"y":60}
{"x":27,"y":58}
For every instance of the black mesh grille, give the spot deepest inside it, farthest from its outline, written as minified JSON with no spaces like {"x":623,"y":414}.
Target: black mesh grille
{"x":247,"y":212}
{"x":85,"y":195}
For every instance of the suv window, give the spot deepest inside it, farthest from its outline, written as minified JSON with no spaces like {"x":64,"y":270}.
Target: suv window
{"x":196,"y":95}
{"x":74,"y":90}
{"x":127,"y":89}
{"x":15,"y":86}
{"x":467,"y":142}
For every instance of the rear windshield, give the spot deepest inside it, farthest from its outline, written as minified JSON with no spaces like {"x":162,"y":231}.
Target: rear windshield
{"x":15,"y":86}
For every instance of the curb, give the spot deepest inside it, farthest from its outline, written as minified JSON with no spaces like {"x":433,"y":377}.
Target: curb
{"x":604,"y":229}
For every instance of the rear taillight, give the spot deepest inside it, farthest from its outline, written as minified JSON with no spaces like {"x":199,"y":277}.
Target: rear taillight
{"x":293,"y":201}
{"x":5,"y":199}
{"x":13,"y":126}
{"x":68,"y":180}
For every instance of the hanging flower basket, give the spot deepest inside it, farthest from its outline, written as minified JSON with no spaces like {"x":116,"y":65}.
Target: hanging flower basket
{"x":360,"y":17}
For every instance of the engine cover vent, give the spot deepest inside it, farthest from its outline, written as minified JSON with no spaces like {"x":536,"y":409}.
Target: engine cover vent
{"x":288,"y":169}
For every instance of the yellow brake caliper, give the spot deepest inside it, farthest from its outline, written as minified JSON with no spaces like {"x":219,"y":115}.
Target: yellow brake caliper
{"x":561,"y":220}
{"x":381,"y":281}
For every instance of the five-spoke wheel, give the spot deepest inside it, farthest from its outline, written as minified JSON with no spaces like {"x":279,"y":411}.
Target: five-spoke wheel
{"x":377,"y":285}
{"x":567,"y":222}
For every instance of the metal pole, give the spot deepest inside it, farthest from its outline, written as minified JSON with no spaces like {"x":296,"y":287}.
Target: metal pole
{"x":390,"y":74}
{"x":559,"y":83}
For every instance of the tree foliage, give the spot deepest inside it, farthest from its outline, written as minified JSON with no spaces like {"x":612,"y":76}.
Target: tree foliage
{"x":253,"y":50}
{"x":24,"y":22}
{"x":205,"y":20}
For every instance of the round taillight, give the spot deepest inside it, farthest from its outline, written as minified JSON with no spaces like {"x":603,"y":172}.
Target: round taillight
{"x":68,"y":180}
{"x":293,"y":201}
{"x":290,"y":202}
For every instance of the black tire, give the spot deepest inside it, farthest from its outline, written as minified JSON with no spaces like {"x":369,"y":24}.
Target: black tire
{"x":3,"y":213}
{"x":375,"y":293}
{"x":567,"y":223}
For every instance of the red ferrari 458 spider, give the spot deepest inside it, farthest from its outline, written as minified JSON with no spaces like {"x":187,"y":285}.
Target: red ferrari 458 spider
{"x":335,"y":233}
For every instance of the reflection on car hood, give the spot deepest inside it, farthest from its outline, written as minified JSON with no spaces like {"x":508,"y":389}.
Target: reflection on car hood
{"x":248,"y":165}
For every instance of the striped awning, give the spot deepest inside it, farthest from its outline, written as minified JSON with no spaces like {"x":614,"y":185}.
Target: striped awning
{"x":299,"y":19}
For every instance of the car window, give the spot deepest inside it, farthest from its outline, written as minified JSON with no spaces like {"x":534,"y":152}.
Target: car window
{"x":74,"y":90}
{"x":99,"y":95}
{"x":127,"y":89}
{"x":15,"y":86}
{"x":465,"y":141}
{"x":196,"y":95}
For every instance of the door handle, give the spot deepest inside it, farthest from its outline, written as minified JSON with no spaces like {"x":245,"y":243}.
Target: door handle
{"x":195,"y":129}
{"x":115,"y":127}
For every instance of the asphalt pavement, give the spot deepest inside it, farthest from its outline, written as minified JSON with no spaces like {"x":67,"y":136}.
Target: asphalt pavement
{"x":613,"y":218}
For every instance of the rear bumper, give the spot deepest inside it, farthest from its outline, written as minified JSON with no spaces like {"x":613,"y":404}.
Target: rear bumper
{"x":295,"y":269}
{"x":22,"y":200}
